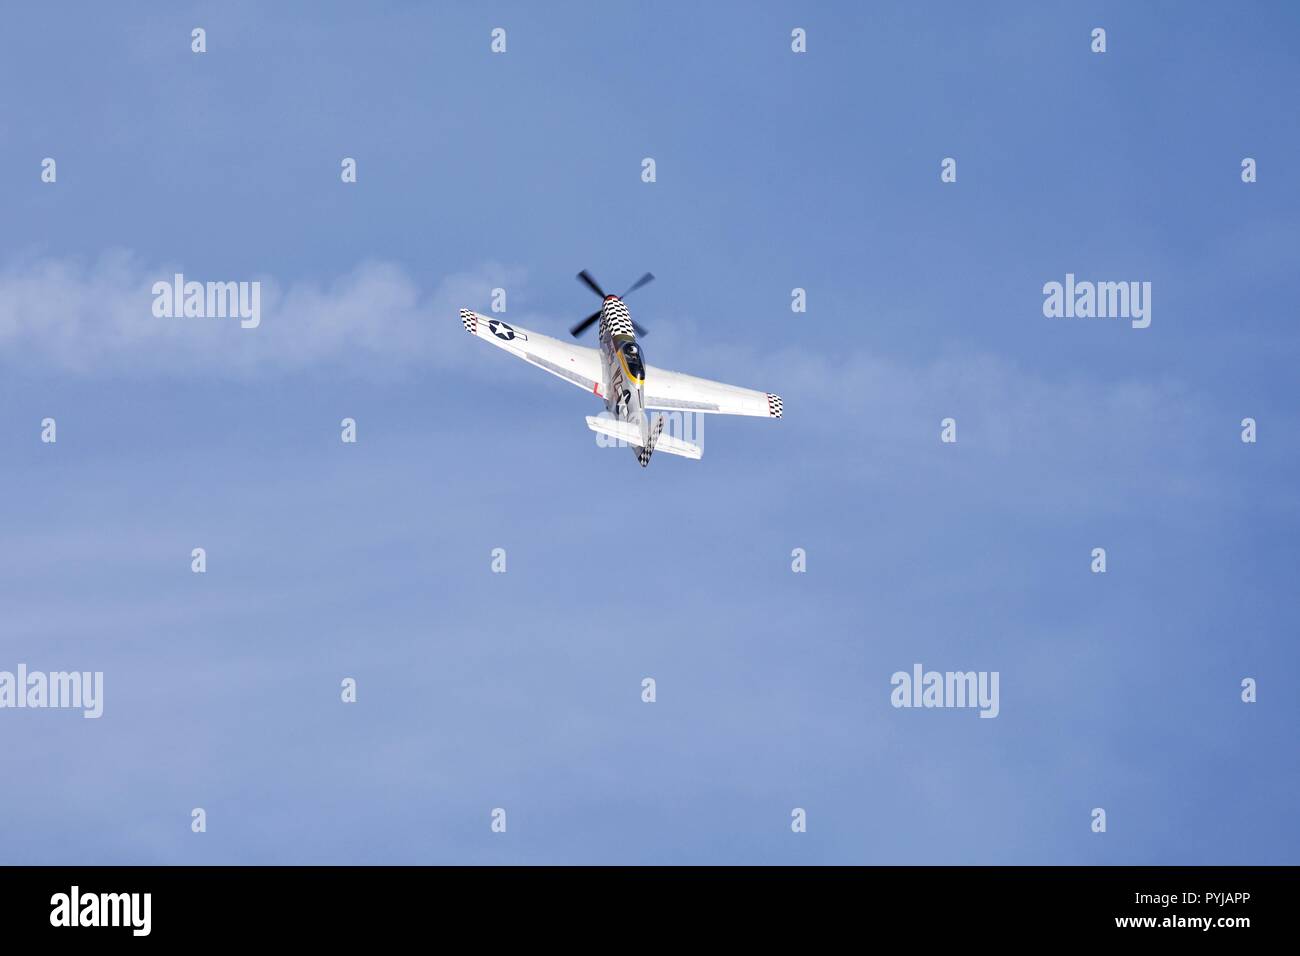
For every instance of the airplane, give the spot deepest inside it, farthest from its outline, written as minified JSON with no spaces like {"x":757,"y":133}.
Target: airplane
{"x":617,"y":373}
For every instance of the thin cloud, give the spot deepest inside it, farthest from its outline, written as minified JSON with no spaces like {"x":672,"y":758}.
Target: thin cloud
{"x":97,"y":318}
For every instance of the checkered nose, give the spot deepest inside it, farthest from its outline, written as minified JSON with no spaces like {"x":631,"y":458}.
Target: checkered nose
{"x":617,"y":320}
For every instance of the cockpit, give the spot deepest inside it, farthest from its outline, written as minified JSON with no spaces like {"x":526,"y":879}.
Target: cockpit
{"x":632,"y":358}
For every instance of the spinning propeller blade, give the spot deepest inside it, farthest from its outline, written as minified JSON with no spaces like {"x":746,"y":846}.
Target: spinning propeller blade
{"x":585,"y":278}
{"x":584,"y":324}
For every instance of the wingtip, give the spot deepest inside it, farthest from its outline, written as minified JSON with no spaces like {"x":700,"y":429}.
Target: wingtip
{"x":775,"y":406}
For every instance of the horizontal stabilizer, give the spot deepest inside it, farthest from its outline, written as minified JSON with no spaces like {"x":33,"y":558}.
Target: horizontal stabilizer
{"x":675,"y":446}
{"x":625,"y":432}
{"x":629,"y":434}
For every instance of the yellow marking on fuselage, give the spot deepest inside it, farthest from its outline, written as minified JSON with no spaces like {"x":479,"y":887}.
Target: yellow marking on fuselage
{"x":622,"y":360}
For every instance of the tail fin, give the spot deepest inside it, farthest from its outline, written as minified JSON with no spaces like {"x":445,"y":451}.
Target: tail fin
{"x":643,"y":454}
{"x":671,"y":445}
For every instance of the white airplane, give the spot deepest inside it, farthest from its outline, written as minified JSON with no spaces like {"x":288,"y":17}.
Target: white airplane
{"x":617,"y":373}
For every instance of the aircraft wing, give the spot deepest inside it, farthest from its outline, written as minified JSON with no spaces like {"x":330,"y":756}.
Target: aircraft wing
{"x":576,"y":364}
{"x":673,"y":391}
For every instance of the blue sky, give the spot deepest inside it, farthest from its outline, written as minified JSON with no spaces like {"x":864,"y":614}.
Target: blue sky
{"x":522,"y":691}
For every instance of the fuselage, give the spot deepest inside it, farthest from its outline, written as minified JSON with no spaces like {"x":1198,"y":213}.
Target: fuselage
{"x":624,"y":365}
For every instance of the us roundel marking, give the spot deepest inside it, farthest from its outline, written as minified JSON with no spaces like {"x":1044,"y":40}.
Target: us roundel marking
{"x":502,"y":331}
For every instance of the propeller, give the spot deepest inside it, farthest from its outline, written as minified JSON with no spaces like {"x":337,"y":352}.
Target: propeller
{"x":648,"y":277}
{"x":585,"y":277}
{"x":592,"y":284}
{"x":584,"y":324}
